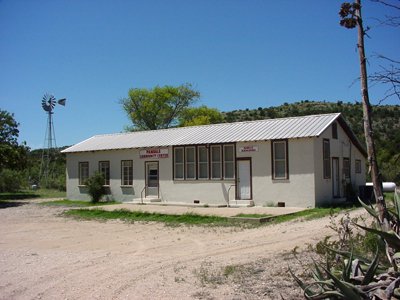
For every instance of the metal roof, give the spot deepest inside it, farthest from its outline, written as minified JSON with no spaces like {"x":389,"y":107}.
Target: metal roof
{"x":269,"y":129}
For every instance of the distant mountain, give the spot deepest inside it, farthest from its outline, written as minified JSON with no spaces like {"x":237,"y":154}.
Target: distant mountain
{"x":386,"y":125}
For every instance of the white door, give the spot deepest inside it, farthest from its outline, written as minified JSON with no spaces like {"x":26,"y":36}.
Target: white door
{"x":244,"y":179}
{"x":335,"y":177}
{"x":152,"y":179}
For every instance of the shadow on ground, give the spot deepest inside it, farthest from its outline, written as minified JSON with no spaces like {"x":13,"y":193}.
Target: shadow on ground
{"x":17,"y":196}
{"x":8,"y":204}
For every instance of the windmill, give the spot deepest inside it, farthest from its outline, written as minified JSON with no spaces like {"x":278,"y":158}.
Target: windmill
{"x":47,"y":165}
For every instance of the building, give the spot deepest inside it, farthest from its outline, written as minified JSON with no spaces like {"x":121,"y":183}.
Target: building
{"x":301,"y":161}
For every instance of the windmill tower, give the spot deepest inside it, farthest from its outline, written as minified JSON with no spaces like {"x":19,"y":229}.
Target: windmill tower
{"x":48,"y":154}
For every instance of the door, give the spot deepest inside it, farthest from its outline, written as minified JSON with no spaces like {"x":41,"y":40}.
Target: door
{"x":335,"y":177}
{"x":151,"y":178}
{"x":243,"y":181}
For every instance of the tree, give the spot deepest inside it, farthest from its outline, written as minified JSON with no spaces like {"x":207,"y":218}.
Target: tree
{"x":202,"y":115}
{"x":351,"y":18}
{"x":12,"y":155}
{"x":159,"y":107}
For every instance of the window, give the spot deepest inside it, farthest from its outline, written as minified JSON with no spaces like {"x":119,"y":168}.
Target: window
{"x":204,"y":162}
{"x":126,"y":172}
{"x":346,"y":168}
{"x":202,"y":156}
{"x":216,"y":160}
{"x":358,"y":166}
{"x":334,"y":130}
{"x":104,"y":168}
{"x":326,"y":153}
{"x":178,"y":163}
{"x":83,"y":172}
{"x":229,"y":162}
{"x":190,"y":162}
{"x":279,"y":160}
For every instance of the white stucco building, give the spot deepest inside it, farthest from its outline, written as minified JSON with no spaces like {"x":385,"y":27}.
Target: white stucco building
{"x":301,"y":161}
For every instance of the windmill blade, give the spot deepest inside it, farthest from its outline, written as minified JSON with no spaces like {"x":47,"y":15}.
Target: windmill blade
{"x":48,"y":102}
{"x":45,"y":106}
{"x":52,"y":102}
{"x":62,"y":101}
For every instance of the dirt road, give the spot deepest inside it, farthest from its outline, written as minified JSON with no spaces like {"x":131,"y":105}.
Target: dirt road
{"x":45,"y":256}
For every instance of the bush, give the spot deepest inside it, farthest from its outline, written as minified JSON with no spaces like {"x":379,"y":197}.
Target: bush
{"x":56,"y":183}
{"x":11,"y":180}
{"x":95,"y":185}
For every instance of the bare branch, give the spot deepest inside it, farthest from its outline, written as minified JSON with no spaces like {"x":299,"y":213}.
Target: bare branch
{"x":386,"y":3}
{"x":386,"y":58}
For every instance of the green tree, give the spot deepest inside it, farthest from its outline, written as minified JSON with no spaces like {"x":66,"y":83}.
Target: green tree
{"x":159,"y":107}
{"x":12,"y":155}
{"x":202,"y":115}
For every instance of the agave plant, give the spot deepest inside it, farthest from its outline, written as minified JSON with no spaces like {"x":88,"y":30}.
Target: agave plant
{"x":359,"y":277}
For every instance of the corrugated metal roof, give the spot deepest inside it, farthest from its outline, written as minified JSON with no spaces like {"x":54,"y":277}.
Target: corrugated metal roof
{"x":269,"y":129}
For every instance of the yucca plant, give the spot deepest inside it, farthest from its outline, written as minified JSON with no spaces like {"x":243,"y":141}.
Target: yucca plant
{"x":359,"y":277}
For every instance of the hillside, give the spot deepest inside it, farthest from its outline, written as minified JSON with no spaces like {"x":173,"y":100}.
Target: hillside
{"x":386,"y":124}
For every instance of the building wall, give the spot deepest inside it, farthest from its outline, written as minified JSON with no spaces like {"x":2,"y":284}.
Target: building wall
{"x":305,"y":186}
{"x":297,"y":190}
{"x":341,"y":148}
{"x":206,"y":191}
{"x":76,"y":192}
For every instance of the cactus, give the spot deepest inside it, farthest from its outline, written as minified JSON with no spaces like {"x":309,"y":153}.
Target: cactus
{"x":359,"y":277}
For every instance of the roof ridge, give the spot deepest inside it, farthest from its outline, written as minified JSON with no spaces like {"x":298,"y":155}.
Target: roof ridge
{"x":216,"y":124}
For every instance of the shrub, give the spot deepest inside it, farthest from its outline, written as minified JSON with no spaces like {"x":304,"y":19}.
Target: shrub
{"x":57,"y":183}
{"x":11,"y":180}
{"x":95,"y":185}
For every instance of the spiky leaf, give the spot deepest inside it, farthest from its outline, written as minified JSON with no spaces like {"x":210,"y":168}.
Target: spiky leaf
{"x":369,"y":209}
{"x":346,"y":288}
{"x":372,"y":269}
{"x":300,"y":283}
{"x":390,"y":237}
{"x":318,"y":276}
{"x":347,"y":268}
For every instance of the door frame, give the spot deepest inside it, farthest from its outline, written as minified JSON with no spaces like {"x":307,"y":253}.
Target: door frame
{"x":238,"y":159}
{"x":335,"y":160}
{"x":146,"y":163}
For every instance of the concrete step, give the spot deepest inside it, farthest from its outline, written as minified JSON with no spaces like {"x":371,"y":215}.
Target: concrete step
{"x":145,"y":200}
{"x":241,"y":203}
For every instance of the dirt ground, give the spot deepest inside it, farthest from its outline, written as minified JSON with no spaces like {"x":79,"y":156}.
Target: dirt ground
{"x":46,"y":256}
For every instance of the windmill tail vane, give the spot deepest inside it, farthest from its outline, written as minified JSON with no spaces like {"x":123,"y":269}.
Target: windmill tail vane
{"x":62,"y":101}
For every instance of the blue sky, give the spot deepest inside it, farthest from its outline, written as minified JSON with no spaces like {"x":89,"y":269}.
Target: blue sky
{"x":238,"y":54}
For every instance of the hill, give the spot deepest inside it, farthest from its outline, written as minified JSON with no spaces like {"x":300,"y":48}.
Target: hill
{"x":386,"y":125}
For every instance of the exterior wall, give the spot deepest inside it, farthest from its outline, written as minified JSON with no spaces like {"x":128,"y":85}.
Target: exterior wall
{"x":206,"y":191}
{"x":298,"y":190}
{"x":305,"y":186}
{"x":76,"y":192}
{"x":340,"y":148}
